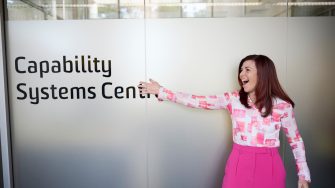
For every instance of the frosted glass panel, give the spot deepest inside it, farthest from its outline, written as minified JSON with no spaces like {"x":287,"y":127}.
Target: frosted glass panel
{"x":310,"y":66}
{"x":100,"y":132}
{"x":83,"y":131}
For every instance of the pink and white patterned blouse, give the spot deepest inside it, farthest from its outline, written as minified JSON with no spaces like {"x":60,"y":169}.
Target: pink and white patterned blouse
{"x":249,"y":127}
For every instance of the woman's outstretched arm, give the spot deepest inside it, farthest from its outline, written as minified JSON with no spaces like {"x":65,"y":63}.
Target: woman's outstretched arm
{"x":210,"y":102}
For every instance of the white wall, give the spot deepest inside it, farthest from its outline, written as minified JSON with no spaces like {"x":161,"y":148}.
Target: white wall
{"x":310,"y":65}
{"x":145,"y":143}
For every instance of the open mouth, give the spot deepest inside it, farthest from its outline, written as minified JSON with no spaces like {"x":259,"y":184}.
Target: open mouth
{"x":244,"y":82}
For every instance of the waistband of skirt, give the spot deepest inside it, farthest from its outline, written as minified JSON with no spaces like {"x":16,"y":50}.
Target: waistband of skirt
{"x":253,"y":149}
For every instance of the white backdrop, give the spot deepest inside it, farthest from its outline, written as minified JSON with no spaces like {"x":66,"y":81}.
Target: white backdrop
{"x":136,"y":142}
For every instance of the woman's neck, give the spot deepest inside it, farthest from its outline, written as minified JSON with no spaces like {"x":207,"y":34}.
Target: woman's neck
{"x":252,"y":97}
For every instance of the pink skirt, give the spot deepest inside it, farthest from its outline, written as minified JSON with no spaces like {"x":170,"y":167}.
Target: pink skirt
{"x":254,"y":167}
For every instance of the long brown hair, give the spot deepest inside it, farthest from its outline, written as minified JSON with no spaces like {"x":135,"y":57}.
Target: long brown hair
{"x":267,"y":86}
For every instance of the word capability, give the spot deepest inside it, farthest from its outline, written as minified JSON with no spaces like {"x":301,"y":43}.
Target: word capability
{"x":82,"y":64}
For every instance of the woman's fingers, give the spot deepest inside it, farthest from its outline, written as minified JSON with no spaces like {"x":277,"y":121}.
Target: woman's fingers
{"x":302,"y":184}
{"x":151,"y":87}
{"x":305,"y":185}
{"x":153,"y":81}
{"x":142,"y":83}
{"x":144,"y":87}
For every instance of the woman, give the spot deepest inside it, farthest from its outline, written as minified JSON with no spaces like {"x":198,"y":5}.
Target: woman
{"x":258,"y":111}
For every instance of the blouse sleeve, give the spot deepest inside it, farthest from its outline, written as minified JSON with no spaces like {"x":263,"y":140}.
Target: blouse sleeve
{"x":210,"y":102}
{"x":295,"y":140}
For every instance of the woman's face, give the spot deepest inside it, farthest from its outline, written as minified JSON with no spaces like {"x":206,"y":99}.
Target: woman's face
{"x":248,"y":76}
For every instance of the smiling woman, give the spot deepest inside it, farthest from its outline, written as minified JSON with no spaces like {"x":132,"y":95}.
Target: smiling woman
{"x":258,"y":111}
{"x":248,"y":77}
{"x":258,"y":77}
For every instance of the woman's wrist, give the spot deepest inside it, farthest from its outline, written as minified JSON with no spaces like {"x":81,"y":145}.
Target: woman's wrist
{"x":302,"y":178}
{"x":158,"y":89}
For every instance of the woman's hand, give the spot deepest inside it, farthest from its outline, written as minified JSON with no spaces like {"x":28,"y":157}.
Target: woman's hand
{"x":151,"y":87}
{"x":302,"y":183}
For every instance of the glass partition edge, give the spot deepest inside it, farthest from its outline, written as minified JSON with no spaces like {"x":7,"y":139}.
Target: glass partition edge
{"x":4,"y":112}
